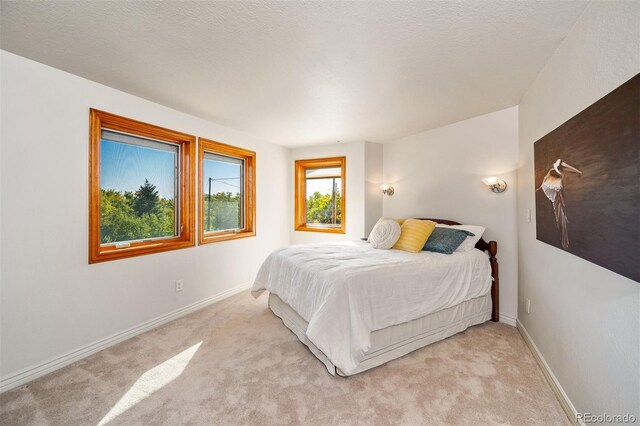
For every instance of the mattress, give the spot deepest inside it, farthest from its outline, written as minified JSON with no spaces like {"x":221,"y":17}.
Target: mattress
{"x":345,"y":291}
{"x":395,"y":341}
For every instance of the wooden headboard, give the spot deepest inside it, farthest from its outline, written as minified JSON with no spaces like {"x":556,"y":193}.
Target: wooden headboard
{"x":491,"y":248}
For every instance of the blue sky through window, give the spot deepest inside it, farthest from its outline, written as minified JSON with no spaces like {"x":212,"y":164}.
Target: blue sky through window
{"x":226,"y":177}
{"x":124,"y":167}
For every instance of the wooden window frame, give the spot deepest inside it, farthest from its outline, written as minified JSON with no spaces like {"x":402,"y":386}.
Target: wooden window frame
{"x":300,"y":213}
{"x":249,"y":190}
{"x":186,"y":197}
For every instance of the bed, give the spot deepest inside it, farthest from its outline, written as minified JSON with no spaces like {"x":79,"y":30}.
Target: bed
{"x":356,"y":307}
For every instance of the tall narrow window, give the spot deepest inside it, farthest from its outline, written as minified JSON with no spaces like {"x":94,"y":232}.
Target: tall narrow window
{"x":227,"y":188}
{"x":141,"y":183}
{"x":320,"y":195}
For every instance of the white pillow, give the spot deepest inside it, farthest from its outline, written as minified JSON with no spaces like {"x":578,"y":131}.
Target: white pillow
{"x":470,"y":242}
{"x":385,"y":234}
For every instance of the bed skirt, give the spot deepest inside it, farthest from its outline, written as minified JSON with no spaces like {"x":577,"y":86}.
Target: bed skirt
{"x":398,"y":340}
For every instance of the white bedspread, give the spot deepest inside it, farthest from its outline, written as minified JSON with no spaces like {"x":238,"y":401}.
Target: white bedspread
{"x":347,"y":290}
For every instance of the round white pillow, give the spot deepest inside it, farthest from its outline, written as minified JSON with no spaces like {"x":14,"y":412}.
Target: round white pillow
{"x":385,"y":234}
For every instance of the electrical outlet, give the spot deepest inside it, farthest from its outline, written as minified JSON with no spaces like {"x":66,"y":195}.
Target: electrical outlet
{"x":179,"y":285}
{"x":528,"y":306}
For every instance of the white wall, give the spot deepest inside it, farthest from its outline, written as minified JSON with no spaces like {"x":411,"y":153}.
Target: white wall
{"x":53,"y":301}
{"x":373,"y":179}
{"x":585,"y":320}
{"x":355,"y":191}
{"x":438,"y":174}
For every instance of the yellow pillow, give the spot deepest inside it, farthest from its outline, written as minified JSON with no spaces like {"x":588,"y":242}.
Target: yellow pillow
{"x":414,"y":234}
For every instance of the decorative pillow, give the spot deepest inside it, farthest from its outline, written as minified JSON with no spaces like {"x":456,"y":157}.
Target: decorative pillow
{"x":413,"y":234}
{"x":446,"y":240}
{"x":385,"y":234}
{"x":470,"y":242}
{"x":400,"y":221}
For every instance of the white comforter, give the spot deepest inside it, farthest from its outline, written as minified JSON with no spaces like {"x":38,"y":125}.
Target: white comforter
{"x":347,"y":290}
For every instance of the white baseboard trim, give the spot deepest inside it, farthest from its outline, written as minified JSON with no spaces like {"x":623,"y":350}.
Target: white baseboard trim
{"x":563,"y":398}
{"x":507,"y":319}
{"x":28,"y":374}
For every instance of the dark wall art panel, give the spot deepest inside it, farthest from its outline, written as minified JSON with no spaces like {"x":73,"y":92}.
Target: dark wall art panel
{"x":587,"y":176}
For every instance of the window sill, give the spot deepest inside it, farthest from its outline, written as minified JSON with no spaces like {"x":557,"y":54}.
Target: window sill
{"x":138,"y":249}
{"x":225,"y":236}
{"x":306,"y":228}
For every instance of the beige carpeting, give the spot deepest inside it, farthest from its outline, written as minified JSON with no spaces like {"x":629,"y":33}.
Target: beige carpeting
{"x":235,"y":363}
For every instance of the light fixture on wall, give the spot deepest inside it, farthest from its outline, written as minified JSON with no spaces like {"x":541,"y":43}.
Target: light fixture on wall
{"x":495,"y":185}
{"x":387,"y":189}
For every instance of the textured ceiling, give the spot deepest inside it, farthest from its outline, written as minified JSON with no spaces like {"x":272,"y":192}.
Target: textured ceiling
{"x":299,"y":73}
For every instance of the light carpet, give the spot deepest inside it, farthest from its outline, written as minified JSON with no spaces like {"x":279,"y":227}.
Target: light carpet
{"x":234,"y":363}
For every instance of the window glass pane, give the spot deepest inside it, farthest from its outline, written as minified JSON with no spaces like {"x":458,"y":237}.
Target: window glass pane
{"x":223,"y":198}
{"x":324,"y":200}
{"x":138,"y":188}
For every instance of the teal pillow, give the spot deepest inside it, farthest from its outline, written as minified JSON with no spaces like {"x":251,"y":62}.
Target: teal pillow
{"x":446,"y":240}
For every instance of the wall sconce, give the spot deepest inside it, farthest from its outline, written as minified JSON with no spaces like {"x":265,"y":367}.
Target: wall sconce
{"x":495,"y":185}
{"x":387,"y":189}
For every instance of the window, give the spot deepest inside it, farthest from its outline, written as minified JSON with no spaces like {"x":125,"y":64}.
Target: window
{"x":227,"y":192}
{"x":141,"y":180}
{"x":320,"y":195}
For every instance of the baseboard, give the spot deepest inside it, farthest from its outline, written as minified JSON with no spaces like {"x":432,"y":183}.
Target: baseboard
{"x":564,"y":400}
{"x":28,"y":374}
{"x":507,"y":319}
